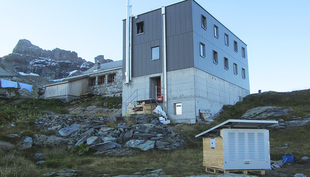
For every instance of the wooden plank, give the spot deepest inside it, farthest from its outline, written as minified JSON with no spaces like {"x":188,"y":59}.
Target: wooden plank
{"x":216,"y":170}
{"x":213,"y":157}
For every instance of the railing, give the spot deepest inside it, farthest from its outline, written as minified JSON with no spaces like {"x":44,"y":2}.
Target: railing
{"x":132,"y":98}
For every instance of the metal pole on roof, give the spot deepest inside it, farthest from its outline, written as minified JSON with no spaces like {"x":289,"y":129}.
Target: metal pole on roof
{"x":128,"y":43}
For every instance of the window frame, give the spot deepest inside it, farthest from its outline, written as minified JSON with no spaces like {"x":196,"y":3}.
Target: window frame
{"x":236,"y":46}
{"x":243,"y":73}
{"x":226,"y":63}
{"x":155,"y":47}
{"x":235,"y":68}
{"x":203,"y":22}
{"x":215,"y":57}
{"x":138,"y":26}
{"x":216,"y":31}
{"x":202,"y":49}
{"x":243,"y":52}
{"x":226,"y":39}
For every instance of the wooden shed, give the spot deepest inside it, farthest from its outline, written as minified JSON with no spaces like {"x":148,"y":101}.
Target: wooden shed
{"x":237,"y":146}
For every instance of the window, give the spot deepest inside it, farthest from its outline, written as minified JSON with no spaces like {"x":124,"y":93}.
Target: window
{"x":92,"y":81}
{"x":215,"y":57}
{"x":243,"y":73}
{"x":155,"y":53}
{"x":140,"y":28}
{"x":202,"y":50}
{"x":226,"y":39}
{"x":111,"y":78}
{"x":243,"y":52}
{"x":203,"y":22}
{"x":216,"y":31}
{"x":226,"y":66}
{"x":235,"y":69}
{"x":235,"y":46}
{"x":101,"y":80}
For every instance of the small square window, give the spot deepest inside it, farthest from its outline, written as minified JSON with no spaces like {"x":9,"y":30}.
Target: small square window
{"x":215,"y":57}
{"x":226,"y":39}
{"x":111,"y":78}
{"x":235,"y":46}
{"x":203,"y":22}
{"x":235,"y":69}
{"x":202,"y":50}
{"x":140,"y":27}
{"x":243,"y":52}
{"x":155,"y":53}
{"x":243,"y":73}
{"x":92,"y":81}
{"x":101,"y":79}
{"x":226,"y":66}
{"x":216,"y":31}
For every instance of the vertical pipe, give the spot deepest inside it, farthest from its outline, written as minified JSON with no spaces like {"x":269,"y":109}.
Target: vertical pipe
{"x":127,"y":72}
{"x":163,"y":11}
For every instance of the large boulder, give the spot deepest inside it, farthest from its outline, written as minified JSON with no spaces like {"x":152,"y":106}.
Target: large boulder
{"x":68,"y":130}
{"x":143,"y":145}
{"x":52,"y":141}
{"x":105,"y":146}
{"x":6,"y":146}
{"x":26,"y":144}
{"x":266,"y":112}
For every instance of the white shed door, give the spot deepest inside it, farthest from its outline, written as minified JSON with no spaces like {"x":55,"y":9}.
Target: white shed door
{"x":246,"y":149}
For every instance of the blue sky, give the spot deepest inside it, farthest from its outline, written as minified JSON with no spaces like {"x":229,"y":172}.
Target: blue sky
{"x":276,"y":32}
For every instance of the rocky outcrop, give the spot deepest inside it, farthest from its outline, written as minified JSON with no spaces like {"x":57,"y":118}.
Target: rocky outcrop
{"x":79,"y":129}
{"x":50,"y":64}
{"x":266,"y":112}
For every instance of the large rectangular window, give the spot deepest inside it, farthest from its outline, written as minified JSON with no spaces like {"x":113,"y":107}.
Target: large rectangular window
{"x":243,"y":52}
{"x":216,"y":31}
{"x":235,"y":69}
{"x":140,"y":27}
{"x":226,"y":39}
{"x":92,"y":81}
{"x":215,"y":57}
{"x":202,"y":49}
{"x":226,"y":66}
{"x":101,"y":79}
{"x":235,"y":46}
{"x":155,"y":53}
{"x":203,"y":22}
{"x":243,"y":73}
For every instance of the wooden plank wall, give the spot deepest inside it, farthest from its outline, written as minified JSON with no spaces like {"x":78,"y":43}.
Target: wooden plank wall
{"x":213,"y":157}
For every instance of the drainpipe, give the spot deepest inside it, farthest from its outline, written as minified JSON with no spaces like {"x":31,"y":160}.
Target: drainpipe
{"x":128,"y":43}
{"x":163,"y":12}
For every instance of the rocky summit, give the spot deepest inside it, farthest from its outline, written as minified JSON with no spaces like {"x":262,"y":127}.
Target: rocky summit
{"x":50,"y":64}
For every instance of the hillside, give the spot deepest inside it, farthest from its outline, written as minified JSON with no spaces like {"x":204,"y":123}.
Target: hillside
{"x":20,"y":117}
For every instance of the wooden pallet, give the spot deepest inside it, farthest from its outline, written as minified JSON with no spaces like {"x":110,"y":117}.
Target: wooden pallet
{"x":215,"y":170}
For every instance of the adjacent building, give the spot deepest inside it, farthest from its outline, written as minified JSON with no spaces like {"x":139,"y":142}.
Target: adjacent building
{"x":185,"y":58}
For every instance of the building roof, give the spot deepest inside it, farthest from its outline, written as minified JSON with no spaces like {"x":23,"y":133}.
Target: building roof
{"x":241,"y":124}
{"x":105,"y":66}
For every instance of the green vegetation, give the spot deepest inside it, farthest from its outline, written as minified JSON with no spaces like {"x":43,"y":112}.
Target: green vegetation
{"x":182,"y":162}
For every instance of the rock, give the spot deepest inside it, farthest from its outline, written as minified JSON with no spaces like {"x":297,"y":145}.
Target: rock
{"x":40,"y":163}
{"x":26,"y":144}
{"x":51,"y":141}
{"x":105,"y":146}
{"x":128,"y":135}
{"x":93,"y":140}
{"x":65,"y":173}
{"x":6,"y":146}
{"x":55,"y":128}
{"x":144,"y":145}
{"x":141,"y":119}
{"x":38,"y":156}
{"x":108,"y":139}
{"x":266,"y":112}
{"x":296,"y":123}
{"x":16,"y":136}
{"x":68,"y":130}
{"x":299,"y":175}
{"x":84,"y":136}
{"x":305,"y":158}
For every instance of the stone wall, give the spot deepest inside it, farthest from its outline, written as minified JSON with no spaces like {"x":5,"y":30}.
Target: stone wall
{"x":105,"y":84}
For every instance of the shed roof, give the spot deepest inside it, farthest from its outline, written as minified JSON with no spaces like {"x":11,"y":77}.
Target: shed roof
{"x":242,"y":124}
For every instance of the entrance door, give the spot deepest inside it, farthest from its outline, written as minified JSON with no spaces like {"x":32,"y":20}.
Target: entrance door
{"x":155,"y":87}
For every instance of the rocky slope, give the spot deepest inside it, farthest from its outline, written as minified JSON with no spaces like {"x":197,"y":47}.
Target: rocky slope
{"x":50,"y":64}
